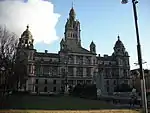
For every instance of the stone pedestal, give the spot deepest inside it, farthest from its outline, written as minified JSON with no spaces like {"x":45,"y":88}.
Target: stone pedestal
{"x":100,"y":82}
{"x":66,"y":90}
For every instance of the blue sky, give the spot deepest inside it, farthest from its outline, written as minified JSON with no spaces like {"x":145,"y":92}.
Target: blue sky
{"x":102,"y":21}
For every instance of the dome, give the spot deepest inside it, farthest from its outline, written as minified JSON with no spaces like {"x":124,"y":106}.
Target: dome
{"x":119,"y":43}
{"x":27,"y":33}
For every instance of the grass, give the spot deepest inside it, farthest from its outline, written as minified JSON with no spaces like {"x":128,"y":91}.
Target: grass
{"x":63,"y":104}
{"x":55,"y":103}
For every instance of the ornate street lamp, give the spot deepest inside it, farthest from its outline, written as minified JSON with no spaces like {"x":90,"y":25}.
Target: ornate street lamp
{"x":143,"y":87}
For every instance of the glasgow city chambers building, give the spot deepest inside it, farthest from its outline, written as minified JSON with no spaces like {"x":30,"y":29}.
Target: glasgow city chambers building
{"x":73,"y":64}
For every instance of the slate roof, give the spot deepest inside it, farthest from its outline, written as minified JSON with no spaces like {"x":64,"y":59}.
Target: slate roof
{"x":80,"y":50}
{"x":74,"y":47}
{"x":107,"y":58}
{"x":42,"y":54}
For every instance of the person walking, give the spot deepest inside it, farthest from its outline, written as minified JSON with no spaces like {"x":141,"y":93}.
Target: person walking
{"x":133,"y":99}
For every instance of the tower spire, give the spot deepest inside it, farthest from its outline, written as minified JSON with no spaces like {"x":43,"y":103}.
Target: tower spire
{"x":72,"y":3}
{"x":118,"y":37}
{"x":72,"y":12}
{"x":27,"y":26}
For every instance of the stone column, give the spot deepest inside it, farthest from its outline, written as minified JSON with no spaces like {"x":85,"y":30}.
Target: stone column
{"x":102,"y":80}
{"x":92,"y":71}
{"x":75,"y":60}
{"x":119,"y":76}
{"x":84,"y":62}
{"x":33,"y":85}
{"x":91,"y":60}
{"x":27,"y":85}
{"x":84,"y":72}
{"x":74,"y":71}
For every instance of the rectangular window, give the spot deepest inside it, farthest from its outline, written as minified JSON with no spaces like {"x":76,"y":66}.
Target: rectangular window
{"x":45,"y":89}
{"x":70,"y":71}
{"x":39,"y":70}
{"x":36,"y":81}
{"x":45,"y":81}
{"x":71,"y":60}
{"x":107,"y":82}
{"x":54,"y":89}
{"x":36,"y":89}
{"x":54,"y":71}
{"x":88,"y":71}
{"x":54,"y":81}
{"x":107,"y":89}
{"x":50,"y":71}
{"x":88,"y":60}
{"x":46,"y":70}
{"x":106,"y":73}
{"x":81,"y":71}
{"x":94,"y":61}
{"x":114,"y":82}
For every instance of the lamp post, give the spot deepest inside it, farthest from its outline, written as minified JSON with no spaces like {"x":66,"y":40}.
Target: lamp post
{"x":136,"y":64}
{"x":142,"y":63}
{"x":143,"y":87}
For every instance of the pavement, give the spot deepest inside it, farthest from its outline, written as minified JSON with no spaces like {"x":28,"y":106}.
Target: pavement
{"x":127,"y":106}
{"x":121,"y":106}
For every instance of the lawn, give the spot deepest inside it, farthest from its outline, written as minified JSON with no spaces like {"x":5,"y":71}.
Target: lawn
{"x":54,"y":103}
{"x":47,"y":104}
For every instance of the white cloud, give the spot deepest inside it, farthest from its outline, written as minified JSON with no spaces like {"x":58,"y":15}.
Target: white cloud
{"x":39,"y":14}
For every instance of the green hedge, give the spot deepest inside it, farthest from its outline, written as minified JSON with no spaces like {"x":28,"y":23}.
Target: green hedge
{"x":85,"y":91}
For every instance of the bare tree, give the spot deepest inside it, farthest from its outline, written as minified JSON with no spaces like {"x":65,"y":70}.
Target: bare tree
{"x":8,"y":45}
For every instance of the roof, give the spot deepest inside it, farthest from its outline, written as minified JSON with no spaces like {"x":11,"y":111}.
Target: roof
{"x":106,"y":58}
{"x":80,"y":50}
{"x":72,"y":12}
{"x":76,"y":48}
{"x":42,"y":54}
{"x":27,"y":33}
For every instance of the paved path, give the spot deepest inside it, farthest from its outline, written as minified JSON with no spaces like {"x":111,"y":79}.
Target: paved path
{"x":70,"y":111}
{"x":127,"y":106}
